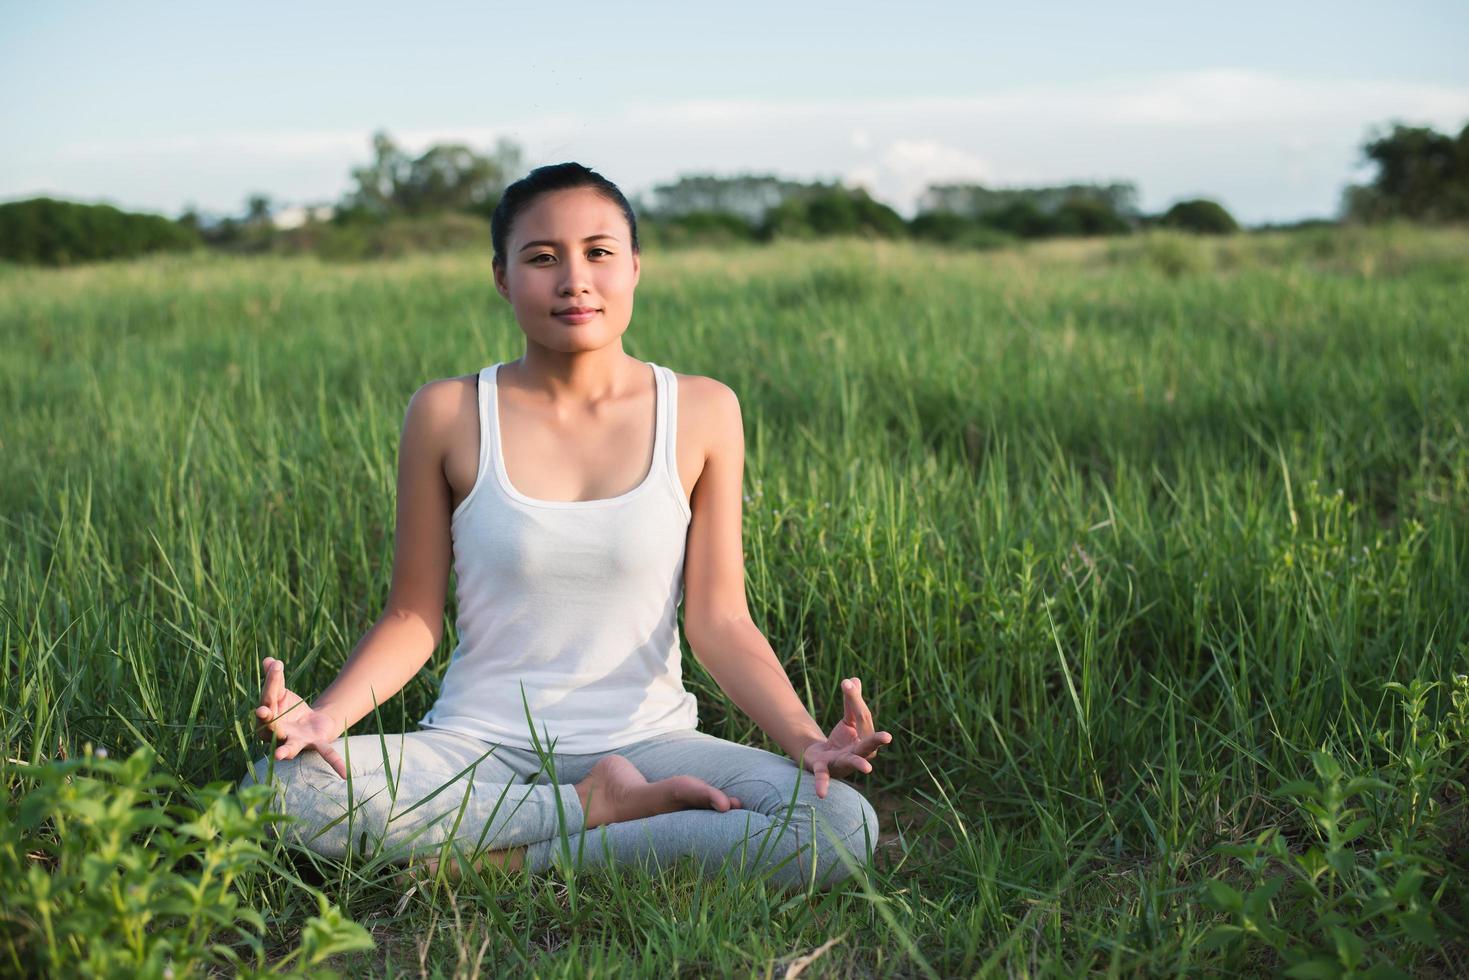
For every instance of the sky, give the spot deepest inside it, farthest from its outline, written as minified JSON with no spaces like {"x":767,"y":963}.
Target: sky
{"x":1261,"y":106}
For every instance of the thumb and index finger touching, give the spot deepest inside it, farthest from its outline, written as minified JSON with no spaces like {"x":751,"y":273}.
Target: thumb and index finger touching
{"x":859,"y":716}
{"x":273,"y":697}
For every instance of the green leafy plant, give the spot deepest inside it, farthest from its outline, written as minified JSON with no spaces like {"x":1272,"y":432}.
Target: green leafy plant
{"x":113,"y":869}
{"x":1363,"y":899}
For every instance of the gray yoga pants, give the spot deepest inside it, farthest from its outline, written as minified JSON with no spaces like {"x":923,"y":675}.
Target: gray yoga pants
{"x":433,"y":786}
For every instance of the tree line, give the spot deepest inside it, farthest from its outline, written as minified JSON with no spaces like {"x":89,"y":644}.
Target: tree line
{"x":443,"y":197}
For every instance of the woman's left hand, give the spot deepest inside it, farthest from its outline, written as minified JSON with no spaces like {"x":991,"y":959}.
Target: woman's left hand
{"x":849,"y":746}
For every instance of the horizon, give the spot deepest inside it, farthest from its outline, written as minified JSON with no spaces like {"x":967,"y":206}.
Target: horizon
{"x":1264,"y":112}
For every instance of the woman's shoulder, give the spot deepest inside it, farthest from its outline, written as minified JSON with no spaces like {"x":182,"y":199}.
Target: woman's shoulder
{"x":703,"y":393}
{"x":443,"y":402}
{"x":708,"y":410}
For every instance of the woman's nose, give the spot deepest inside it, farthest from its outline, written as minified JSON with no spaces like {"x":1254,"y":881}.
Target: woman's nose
{"x":573,"y":277}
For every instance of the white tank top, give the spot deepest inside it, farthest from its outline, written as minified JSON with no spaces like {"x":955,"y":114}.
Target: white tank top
{"x":576,"y":600}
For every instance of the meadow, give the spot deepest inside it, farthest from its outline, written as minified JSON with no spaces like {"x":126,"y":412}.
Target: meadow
{"x":1152,"y":553}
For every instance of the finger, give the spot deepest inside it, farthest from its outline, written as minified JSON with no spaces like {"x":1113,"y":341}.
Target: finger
{"x":863,"y":713}
{"x":289,"y":749}
{"x":275,"y":685}
{"x":868,"y":745}
{"x":265,"y":680}
{"x":858,"y":763}
{"x":332,"y":758}
{"x":869,"y":750}
{"x":734,"y":803}
{"x":823,"y":779}
{"x":857,"y":714}
{"x":264,"y":722}
{"x":850,"y":702}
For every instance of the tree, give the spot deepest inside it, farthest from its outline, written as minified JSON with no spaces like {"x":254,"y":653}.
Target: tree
{"x":696,"y":227}
{"x":948,"y":228}
{"x":750,"y":196}
{"x":191,"y":219}
{"x":446,"y":177}
{"x":940,"y":226}
{"x":1089,"y":216}
{"x":257,"y":210}
{"x":1022,"y":218}
{"x":378,"y":182}
{"x":834,"y":210}
{"x":977,"y":200}
{"x":1421,"y":175}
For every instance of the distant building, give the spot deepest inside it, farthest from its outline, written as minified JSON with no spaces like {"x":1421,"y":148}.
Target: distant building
{"x":295,"y":217}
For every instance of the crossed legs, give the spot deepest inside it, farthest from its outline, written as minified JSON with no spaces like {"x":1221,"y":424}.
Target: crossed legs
{"x":681,"y":794}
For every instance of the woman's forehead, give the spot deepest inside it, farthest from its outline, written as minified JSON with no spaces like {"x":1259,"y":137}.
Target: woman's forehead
{"x":575,"y":214}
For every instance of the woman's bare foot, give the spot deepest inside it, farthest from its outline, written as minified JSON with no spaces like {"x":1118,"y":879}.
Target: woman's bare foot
{"x":614,"y":791}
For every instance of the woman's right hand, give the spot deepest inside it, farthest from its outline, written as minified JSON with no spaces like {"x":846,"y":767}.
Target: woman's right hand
{"x":293,"y":722}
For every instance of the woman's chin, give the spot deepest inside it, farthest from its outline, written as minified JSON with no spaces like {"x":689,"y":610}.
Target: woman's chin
{"x":569,"y":339}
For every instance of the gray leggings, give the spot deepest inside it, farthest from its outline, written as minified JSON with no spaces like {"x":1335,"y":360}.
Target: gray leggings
{"x":434,"y":786}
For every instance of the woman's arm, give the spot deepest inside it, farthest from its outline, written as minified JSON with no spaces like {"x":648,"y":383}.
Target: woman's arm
{"x":406,"y":634}
{"x":717,"y":620}
{"x":716,"y":617}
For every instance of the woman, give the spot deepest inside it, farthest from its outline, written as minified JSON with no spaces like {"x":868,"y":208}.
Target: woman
{"x":562,"y":725}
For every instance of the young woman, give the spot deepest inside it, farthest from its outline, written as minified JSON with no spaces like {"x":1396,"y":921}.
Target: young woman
{"x":580,"y":494}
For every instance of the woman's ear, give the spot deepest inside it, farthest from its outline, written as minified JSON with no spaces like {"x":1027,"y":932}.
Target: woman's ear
{"x":500,"y":284}
{"x":636,"y":266}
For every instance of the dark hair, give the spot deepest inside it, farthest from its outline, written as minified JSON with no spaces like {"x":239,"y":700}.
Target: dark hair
{"x":542,"y":180}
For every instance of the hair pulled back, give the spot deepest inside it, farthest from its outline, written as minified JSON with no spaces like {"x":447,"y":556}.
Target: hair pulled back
{"x":542,"y":180}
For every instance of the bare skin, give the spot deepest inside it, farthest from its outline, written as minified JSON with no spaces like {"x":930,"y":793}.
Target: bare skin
{"x":575,"y":425}
{"x":612,"y":792}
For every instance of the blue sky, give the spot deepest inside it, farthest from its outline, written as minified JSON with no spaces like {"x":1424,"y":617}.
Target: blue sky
{"x":1261,"y":106}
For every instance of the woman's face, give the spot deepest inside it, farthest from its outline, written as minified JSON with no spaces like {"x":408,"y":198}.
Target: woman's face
{"x":567,"y":253}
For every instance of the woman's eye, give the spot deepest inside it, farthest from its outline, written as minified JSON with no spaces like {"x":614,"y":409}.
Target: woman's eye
{"x":537,"y":258}
{"x":602,"y":250}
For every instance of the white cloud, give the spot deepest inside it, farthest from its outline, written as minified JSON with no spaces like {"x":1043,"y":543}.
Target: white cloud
{"x":1269,"y":146}
{"x":905,"y":167}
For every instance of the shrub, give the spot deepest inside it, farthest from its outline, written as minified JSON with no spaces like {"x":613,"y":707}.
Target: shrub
{"x":939,"y":226}
{"x":1088,"y":216}
{"x":43,"y":231}
{"x":948,"y":228}
{"x":695,"y":228}
{"x":1367,"y":895}
{"x":357,"y":238}
{"x":108,"y":871}
{"x":1201,"y":216}
{"x":833,"y":211}
{"x":1023,"y":219}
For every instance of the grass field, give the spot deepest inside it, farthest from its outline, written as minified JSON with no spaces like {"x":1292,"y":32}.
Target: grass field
{"x":1128,"y":542}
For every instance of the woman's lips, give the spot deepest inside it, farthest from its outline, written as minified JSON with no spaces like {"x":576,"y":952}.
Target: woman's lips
{"x":580,"y":317}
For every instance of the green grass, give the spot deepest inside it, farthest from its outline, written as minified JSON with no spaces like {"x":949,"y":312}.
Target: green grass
{"x":1116,"y":534}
